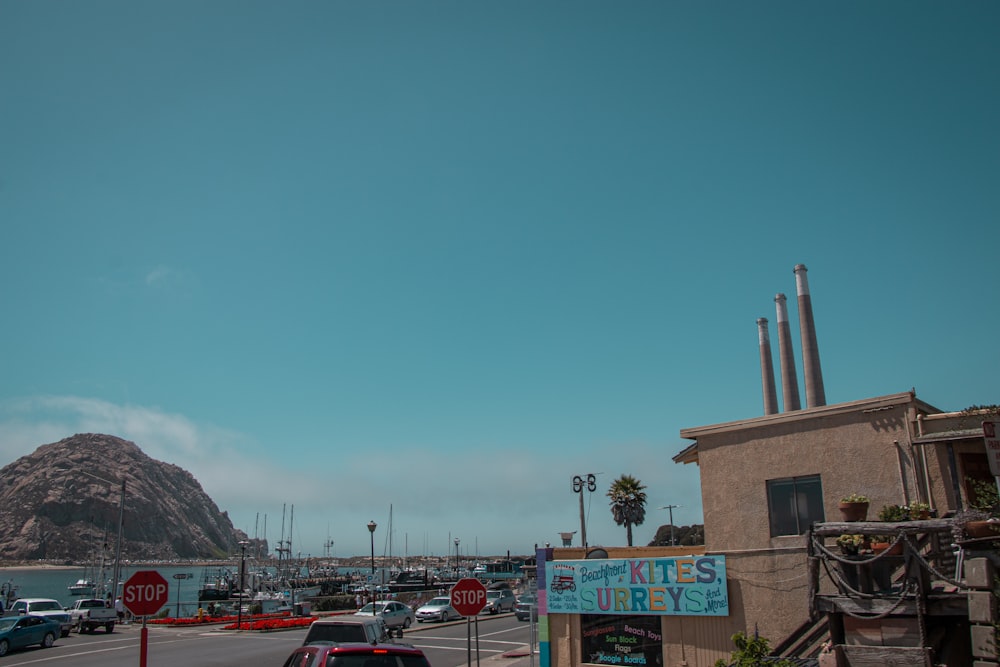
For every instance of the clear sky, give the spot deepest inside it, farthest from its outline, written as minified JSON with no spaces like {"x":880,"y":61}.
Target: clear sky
{"x":444,"y":256}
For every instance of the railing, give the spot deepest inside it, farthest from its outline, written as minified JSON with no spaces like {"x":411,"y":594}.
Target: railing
{"x":905,"y":579}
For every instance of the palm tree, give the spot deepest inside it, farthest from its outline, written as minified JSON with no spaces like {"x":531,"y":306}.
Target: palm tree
{"x":628,"y":503}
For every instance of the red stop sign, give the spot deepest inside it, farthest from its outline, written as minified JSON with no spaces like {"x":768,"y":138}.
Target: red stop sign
{"x":468,"y":596}
{"x":145,"y":592}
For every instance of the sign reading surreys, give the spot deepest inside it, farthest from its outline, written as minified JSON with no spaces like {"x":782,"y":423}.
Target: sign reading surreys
{"x":682,"y":586}
{"x":991,"y":432}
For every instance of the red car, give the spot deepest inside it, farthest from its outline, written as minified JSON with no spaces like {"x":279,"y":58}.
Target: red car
{"x":357,"y":655}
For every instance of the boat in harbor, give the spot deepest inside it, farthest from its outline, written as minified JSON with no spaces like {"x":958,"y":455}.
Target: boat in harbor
{"x":83,"y":587}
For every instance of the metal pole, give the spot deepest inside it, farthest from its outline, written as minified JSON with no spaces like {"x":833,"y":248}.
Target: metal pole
{"x":583,"y":523}
{"x":239,"y":603}
{"x":118,"y":547}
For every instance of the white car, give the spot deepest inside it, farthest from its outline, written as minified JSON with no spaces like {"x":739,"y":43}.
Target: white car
{"x":437,"y":609}
{"x":46,"y":607}
{"x":394,"y":614}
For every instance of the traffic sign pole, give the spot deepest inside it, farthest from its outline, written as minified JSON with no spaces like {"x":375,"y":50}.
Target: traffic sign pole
{"x":468,"y":597}
{"x":143,"y":595}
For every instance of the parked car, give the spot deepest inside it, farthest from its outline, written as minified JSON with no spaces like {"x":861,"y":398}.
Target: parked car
{"x":357,"y":655}
{"x":437,"y":609}
{"x":21,"y":631}
{"x":393,"y":614}
{"x":498,"y":601}
{"x":43,"y":607}
{"x":353,"y":629}
{"x":526,"y":607}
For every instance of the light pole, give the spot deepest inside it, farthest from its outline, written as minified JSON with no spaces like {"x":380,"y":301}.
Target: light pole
{"x":456,"y":555}
{"x":371,"y":529}
{"x":579,"y":483}
{"x":243,"y":562}
{"x":671,"y":508}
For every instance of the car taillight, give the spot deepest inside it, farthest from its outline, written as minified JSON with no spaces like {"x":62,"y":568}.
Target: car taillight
{"x":380,"y":651}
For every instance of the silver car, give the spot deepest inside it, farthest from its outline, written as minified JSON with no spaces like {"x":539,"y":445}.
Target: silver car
{"x":498,"y":601}
{"x":393,"y":614}
{"x":437,"y":609}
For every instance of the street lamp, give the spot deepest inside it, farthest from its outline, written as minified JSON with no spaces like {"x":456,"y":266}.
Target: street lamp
{"x":371,"y":529}
{"x":456,"y":554}
{"x":579,"y":483}
{"x":243,"y":563}
{"x":671,"y":508}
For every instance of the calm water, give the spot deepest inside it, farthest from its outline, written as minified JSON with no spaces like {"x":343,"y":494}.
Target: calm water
{"x":54,"y":583}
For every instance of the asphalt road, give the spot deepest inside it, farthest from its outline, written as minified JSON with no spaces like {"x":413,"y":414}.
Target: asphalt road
{"x":444,"y":644}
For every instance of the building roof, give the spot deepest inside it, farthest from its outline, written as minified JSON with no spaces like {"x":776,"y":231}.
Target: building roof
{"x":690,"y":453}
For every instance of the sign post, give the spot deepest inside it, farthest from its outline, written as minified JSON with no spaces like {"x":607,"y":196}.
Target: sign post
{"x":143,"y":595}
{"x":468,"y":597}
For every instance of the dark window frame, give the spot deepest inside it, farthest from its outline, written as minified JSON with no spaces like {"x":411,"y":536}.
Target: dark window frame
{"x":794,"y":503}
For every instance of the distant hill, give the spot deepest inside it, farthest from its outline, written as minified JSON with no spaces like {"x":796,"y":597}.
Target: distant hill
{"x":51,"y":509}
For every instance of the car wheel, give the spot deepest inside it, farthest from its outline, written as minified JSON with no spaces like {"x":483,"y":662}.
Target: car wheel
{"x":48,"y":640}
{"x":406,"y":622}
{"x":109,"y":628}
{"x":64,"y":633}
{"x":4,"y":645}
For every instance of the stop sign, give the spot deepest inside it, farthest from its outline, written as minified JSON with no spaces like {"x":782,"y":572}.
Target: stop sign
{"x":145,"y":592}
{"x":468,"y":596}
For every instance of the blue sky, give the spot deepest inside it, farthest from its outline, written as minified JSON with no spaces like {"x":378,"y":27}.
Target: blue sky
{"x":444,"y":256}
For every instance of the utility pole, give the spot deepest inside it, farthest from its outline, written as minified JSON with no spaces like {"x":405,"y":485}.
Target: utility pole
{"x":671,"y":508}
{"x":579,"y":483}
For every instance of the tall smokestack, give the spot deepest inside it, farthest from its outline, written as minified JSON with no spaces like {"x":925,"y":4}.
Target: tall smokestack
{"x":813,"y":375}
{"x":767,"y":368}
{"x":789,"y":380}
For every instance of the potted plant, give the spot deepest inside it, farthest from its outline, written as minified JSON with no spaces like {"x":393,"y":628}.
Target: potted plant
{"x":919,"y":511}
{"x":982,"y":519}
{"x":854,"y":507}
{"x":893,"y":513}
{"x":851,"y":545}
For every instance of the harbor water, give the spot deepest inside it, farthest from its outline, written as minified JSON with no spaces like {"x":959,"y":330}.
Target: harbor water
{"x":53,"y":582}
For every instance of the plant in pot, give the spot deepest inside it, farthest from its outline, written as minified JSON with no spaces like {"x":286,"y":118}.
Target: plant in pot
{"x":854,"y":507}
{"x":919,"y":511}
{"x":851,"y":545}
{"x":890,"y":514}
{"x":982,"y":519}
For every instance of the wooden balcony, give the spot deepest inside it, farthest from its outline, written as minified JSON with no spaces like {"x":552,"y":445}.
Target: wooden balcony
{"x":908,"y":605}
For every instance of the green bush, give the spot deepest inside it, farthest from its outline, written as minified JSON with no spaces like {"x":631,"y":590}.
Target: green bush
{"x":752,"y":652}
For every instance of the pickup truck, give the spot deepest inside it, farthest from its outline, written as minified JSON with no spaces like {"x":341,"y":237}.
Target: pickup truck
{"x":91,"y":613}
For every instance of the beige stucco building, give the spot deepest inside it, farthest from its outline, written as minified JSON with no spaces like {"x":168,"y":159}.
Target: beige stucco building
{"x":764,"y":482}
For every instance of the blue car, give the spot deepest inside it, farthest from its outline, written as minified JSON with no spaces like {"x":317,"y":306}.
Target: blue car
{"x":21,"y":631}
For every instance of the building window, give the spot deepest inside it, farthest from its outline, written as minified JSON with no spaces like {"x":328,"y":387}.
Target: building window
{"x":621,"y":640}
{"x":794,"y":503}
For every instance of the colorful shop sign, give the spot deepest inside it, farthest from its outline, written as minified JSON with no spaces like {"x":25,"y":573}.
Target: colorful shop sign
{"x":683,"y":586}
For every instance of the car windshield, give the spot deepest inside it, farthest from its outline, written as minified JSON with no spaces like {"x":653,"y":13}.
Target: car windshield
{"x":439,"y":602}
{"x":50,"y":605}
{"x":367,"y":609}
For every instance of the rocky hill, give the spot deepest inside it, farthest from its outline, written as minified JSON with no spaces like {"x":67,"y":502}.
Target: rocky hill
{"x":52,"y":509}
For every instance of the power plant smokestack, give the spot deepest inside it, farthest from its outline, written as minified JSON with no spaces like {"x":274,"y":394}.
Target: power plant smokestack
{"x":813,"y":375}
{"x":789,"y":380}
{"x":767,"y":368}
